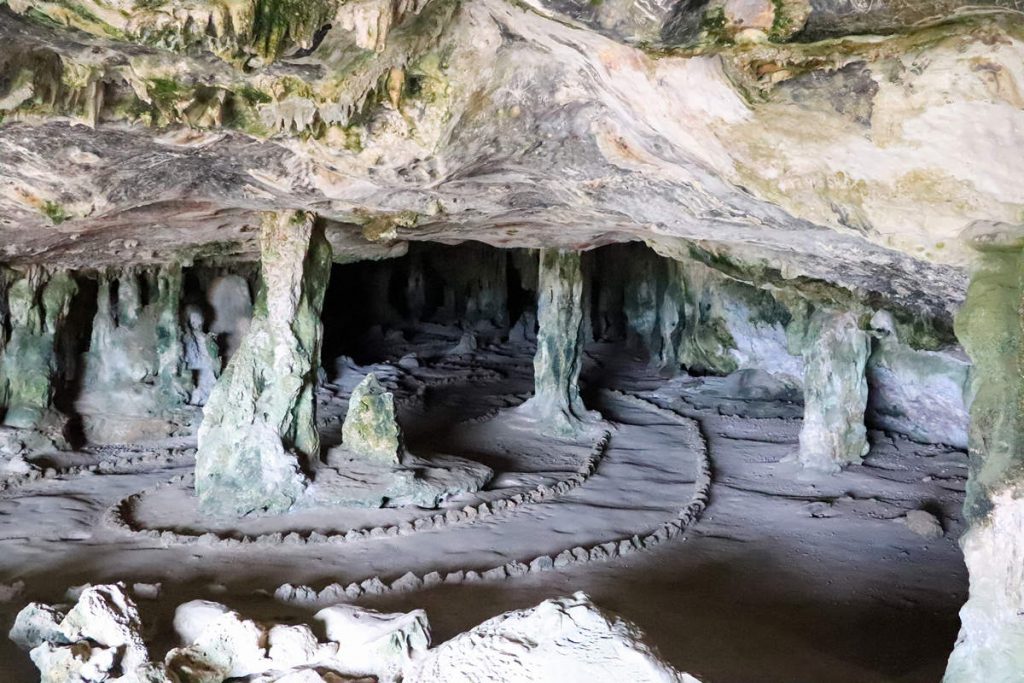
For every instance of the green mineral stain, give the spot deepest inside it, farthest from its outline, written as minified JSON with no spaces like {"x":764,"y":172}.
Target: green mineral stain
{"x":55,"y":212}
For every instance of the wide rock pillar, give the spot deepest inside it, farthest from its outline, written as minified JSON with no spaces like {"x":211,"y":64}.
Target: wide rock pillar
{"x":990,"y":646}
{"x":556,"y":398}
{"x":835,"y":392}
{"x":259,"y":429}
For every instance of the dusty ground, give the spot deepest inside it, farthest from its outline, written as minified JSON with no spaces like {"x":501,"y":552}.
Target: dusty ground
{"x":785,"y":578}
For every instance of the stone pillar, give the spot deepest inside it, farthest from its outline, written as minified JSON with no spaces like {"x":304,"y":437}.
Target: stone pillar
{"x":259,"y":428}
{"x":671,"y":317}
{"x":990,"y":646}
{"x":836,"y":352}
{"x":556,"y":398}
{"x":38,"y":303}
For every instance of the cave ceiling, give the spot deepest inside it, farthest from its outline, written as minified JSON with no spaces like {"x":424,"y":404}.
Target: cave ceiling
{"x":844,"y":142}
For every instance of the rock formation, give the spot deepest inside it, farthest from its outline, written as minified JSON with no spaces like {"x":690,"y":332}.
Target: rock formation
{"x":135,"y":380}
{"x":38,"y":301}
{"x":835,"y":392}
{"x":259,"y":430}
{"x":990,"y":646}
{"x":371,"y":429}
{"x":556,"y":398}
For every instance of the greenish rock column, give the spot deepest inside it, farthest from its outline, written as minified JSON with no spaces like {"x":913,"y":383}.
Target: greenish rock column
{"x":835,"y":392}
{"x":38,"y":304}
{"x":990,"y":646}
{"x":556,"y":398}
{"x":259,"y":428}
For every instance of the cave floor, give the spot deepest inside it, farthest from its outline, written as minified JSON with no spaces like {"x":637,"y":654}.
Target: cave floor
{"x":785,"y":577}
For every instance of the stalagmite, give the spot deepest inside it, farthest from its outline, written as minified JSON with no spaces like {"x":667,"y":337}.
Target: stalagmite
{"x":835,"y":392}
{"x":990,"y":646}
{"x":38,"y":303}
{"x":259,"y":429}
{"x":370,"y":428}
{"x":556,"y":399}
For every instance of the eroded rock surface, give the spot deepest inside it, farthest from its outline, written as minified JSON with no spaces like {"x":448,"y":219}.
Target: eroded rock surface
{"x":835,"y":392}
{"x":371,"y":428}
{"x":259,"y":429}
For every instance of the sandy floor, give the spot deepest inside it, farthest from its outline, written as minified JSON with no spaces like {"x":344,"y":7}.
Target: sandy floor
{"x":786,"y":577}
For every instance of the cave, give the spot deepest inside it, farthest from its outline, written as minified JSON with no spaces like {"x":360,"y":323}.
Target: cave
{"x":472,"y":340}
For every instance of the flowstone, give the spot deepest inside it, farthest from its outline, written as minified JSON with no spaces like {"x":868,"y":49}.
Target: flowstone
{"x":259,"y":429}
{"x":370,"y":429}
{"x":135,"y":383}
{"x":835,"y":392}
{"x":38,"y":304}
{"x":990,"y":646}
{"x":556,"y":401}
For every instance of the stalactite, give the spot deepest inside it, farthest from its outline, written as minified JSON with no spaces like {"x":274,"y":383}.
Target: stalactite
{"x":259,"y":429}
{"x":38,"y":304}
{"x":135,"y":380}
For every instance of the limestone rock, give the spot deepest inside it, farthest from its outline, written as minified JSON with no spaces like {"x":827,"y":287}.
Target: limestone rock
{"x":259,"y":428}
{"x":372,"y":643}
{"x":106,"y":615}
{"x":565,"y":639}
{"x":371,"y":428}
{"x":77,"y":663}
{"x":194,"y":617}
{"x":924,"y":524}
{"x":556,"y":401}
{"x":37,"y":624}
{"x":294,"y":646}
{"x":229,"y":646}
{"x":835,"y":393}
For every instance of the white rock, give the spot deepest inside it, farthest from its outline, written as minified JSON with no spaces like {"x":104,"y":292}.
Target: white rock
{"x":192,"y":618}
{"x":924,"y":524}
{"x":229,"y":645}
{"x":564,"y":640}
{"x":146,"y":591}
{"x":37,"y":624}
{"x":293,"y":646}
{"x":78,"y":663}
{"x":106,"y":615}
{"x":375,"y":644}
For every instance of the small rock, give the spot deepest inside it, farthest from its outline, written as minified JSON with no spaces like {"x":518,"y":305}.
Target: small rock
{"x":924,"y":524}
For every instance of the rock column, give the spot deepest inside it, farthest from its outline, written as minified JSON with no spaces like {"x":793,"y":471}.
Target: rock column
{"x":38,"y":304}
{"x":259,"y":428}
{"x":835,"y":392}
{"x":556,"y":398}
{"x":990,"y":646}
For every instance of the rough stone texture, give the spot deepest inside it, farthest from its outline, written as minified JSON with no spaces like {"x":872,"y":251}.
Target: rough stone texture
{"x":36,"y":624}
{"x":917,"y":392}
{"x":371,"y":427}
{"x":38,"y":303}
{"x":566,"y":639}
{"x":990,"y":646}
{"x":924,"y":524}
{"x":835,"y":392}
{"x":556,"y":398}
{"x":259,"y":428}
{"x":106,"y":615}
{"x":372,"y":643}
{"x":135,"y":380}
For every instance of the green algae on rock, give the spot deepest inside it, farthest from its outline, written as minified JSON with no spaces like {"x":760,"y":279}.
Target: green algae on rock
{"x":259,"y":430}
{"x":835,"y":392}
{"x":371,"y":429}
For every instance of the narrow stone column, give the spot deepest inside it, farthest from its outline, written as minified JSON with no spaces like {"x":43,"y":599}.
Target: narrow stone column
{"x":990,"y":646}
{"x":836,"y":352}
{"x":259,"y":428}
{"x":38,"y":303}
{"x":556,"y":398}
